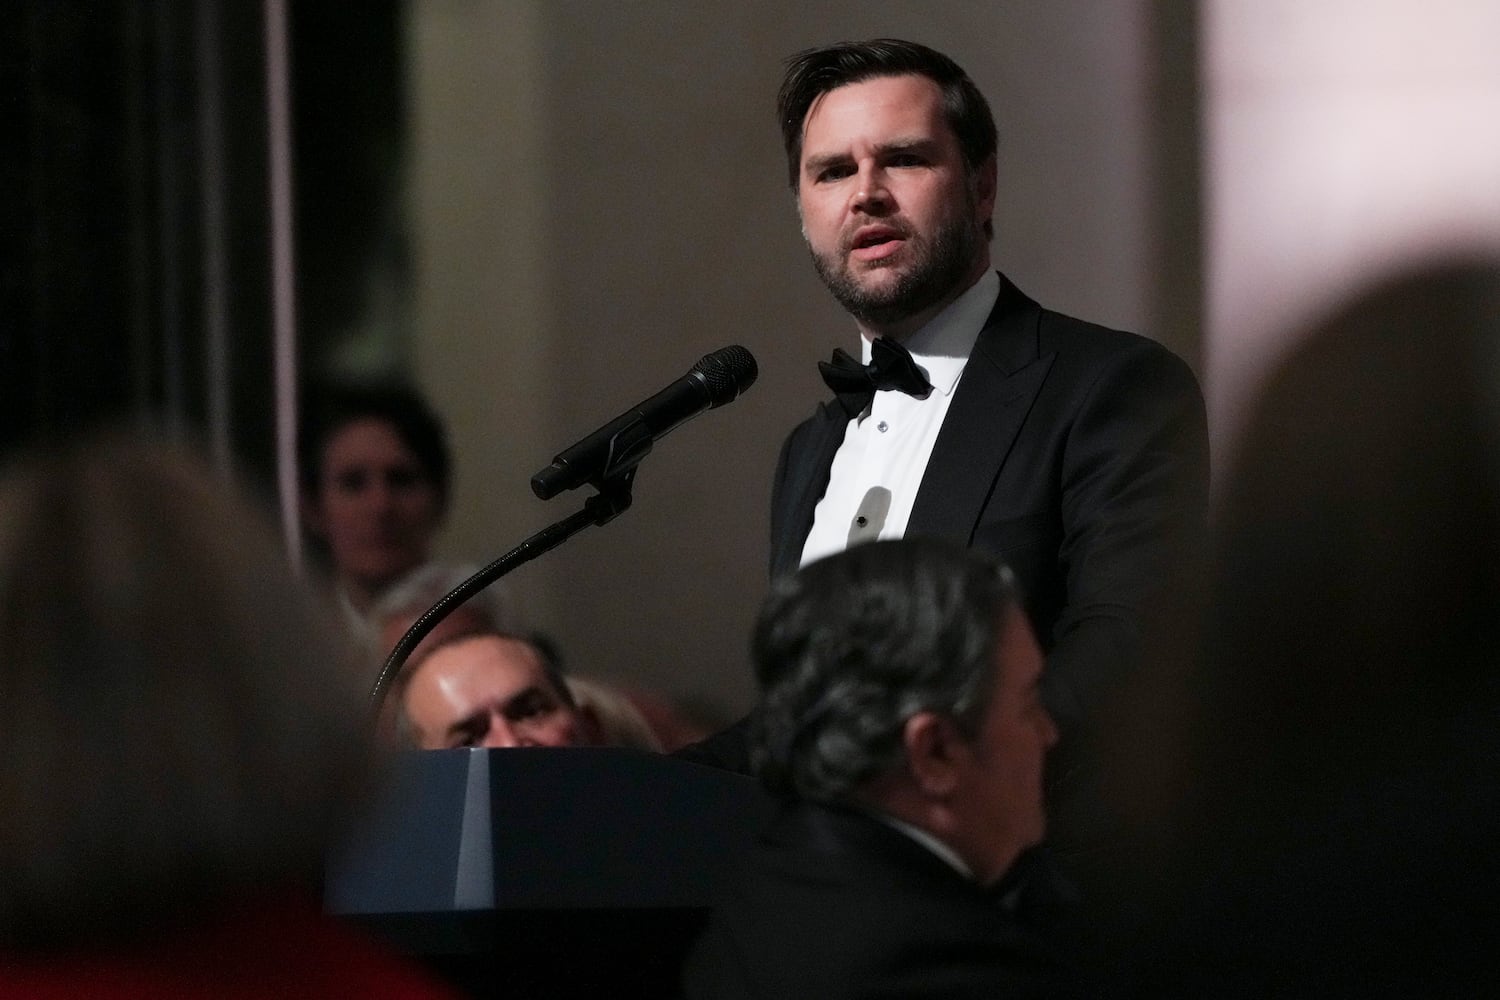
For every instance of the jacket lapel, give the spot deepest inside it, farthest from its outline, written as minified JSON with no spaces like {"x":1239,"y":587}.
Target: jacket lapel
{"x":999,"y":384}
{"x":808,"y":469}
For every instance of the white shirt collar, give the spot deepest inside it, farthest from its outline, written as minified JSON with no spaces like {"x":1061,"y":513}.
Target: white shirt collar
{"x":928,"y":841}
{"x":941,"y":347}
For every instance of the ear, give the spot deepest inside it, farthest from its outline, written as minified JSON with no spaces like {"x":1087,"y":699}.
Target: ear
{"x":933,"y":745}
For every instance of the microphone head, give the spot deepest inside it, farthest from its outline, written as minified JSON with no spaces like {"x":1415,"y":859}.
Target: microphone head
{"x":726,"y":372}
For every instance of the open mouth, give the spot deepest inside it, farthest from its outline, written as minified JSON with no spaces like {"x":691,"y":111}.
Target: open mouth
{"x":875,"y":237}
{"x":876,"y":243}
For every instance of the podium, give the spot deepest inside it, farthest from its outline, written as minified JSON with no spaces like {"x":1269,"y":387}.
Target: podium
{"x":546,"y":872}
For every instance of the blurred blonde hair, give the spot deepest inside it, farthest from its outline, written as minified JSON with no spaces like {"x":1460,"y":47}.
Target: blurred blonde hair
{"x":180,"y":719}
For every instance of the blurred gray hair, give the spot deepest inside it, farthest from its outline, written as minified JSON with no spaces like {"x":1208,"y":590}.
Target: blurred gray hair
{"x":182,"y":722}
{"x":853,"y":645}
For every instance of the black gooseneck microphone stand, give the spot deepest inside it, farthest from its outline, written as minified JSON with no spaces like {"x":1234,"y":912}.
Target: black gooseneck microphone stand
{"x":605,"y":460}
{"x":612,"y":499}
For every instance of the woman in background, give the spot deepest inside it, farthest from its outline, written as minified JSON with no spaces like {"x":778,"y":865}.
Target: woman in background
{"x":375,"y":479}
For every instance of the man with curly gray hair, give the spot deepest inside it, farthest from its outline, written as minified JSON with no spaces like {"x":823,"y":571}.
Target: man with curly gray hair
{"x":902,"y":729}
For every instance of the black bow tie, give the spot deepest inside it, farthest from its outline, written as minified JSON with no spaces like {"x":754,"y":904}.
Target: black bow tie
{"x":891,"y":367}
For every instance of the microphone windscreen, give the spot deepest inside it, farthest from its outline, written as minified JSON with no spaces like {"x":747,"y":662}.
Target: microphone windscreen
{"x":727,"y":372}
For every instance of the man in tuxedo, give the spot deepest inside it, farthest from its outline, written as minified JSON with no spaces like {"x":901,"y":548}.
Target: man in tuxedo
{"x":1076,"y":454}
{"x":902,"y":729}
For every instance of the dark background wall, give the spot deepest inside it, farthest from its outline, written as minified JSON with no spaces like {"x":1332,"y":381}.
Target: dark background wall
{"x":137,"y":276}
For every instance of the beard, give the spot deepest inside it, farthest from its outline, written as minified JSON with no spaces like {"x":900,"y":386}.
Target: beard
{"x":934,"y":269}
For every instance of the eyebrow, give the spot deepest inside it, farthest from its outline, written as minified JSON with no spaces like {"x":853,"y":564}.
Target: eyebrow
{"x":525,"y":697}
{"x":924,"y":144}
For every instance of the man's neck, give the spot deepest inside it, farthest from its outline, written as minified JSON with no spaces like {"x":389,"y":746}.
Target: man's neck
{"x":902,"y":806}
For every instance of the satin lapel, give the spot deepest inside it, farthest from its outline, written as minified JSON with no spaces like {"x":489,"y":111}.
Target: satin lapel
{"x":808,"y":479}
{"x":989,"y":406}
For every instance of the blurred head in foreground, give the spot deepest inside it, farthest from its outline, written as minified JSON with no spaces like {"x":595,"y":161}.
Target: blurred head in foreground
{"x":181,"y":726}
{"x":902,"y":676}
{"x":1332,"y":803}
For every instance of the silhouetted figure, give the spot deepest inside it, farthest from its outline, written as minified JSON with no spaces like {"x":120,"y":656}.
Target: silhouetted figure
{"x":1326,"y":804}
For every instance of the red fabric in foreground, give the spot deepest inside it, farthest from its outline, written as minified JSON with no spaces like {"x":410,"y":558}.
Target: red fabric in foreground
{"x":286,"y":950}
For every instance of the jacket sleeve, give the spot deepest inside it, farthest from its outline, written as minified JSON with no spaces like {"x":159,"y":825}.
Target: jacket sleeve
{"x":1134,"y":495}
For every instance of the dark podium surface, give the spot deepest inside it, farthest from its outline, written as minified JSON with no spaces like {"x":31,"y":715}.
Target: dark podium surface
{"x":546,"y":872}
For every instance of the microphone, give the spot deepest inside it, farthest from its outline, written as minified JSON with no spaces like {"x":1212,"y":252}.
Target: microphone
{"x":619,"y":445}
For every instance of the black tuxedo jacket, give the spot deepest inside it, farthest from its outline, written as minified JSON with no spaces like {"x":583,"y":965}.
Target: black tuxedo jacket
{"x":1076,"y":454}
{"x":835,"y":904}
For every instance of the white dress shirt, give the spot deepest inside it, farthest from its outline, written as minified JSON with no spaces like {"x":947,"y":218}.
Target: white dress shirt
{"x":879,"y":466}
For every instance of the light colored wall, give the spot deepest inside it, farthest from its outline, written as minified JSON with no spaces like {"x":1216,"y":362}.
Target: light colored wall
{"x":598,"y":199}
{"x":478,"y":211}
{"x":1344,"y":137}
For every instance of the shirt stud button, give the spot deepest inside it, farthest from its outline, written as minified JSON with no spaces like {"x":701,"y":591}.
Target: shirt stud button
{"x":882,"y":427}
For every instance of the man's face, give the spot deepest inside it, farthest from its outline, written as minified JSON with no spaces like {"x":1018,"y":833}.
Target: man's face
{"x":374,"y":505}
{"x":488,"y":691}
{"x":893,"y":219}
{"x":1001,"y":797}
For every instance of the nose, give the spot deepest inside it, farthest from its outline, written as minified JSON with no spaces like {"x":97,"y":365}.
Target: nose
{"x":373,"y":496}
{"x":871,"y":195}
{"x":381,"y":494}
